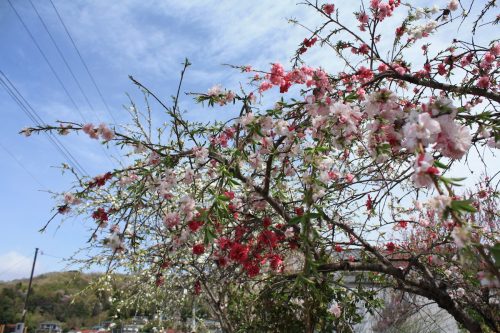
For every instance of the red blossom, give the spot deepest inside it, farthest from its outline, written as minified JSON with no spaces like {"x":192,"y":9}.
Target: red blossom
{"x":328,"y":8}
{"x":252,"y":269}
{"x":197,"y":288}
{"x":239,"y":252}
{"x":224,"y":243}
{"x":100,"y":214}
{"x":400,"y":31}
{"x":276,"y":262}
{"x":369,"y":203}
{"x":63,"y":209}
{"x":160,"y":280}
{"x":310,"y":42}
{"x":100,"y":180}
{"x":390,"y":247}
{"x":299,"y":211}
{"x":268,"y":238}
{"x":195,"y":225}
{"x":198,"y":249}
{"x":221,"y":261}
{"x":442,"y":69}
{"x":266,"y":221}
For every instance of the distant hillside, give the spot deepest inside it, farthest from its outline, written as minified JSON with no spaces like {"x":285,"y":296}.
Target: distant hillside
{"x":54,"y":297}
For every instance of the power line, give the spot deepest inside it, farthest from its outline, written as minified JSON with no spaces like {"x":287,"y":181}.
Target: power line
{"x":46,"y":59}
{"x":22,"y":166}
{"x":12,"y":266}
{"x":70,"y":70}
{"x":33,"y":115}
{"x":84,"y":63}
{"x":37,"y":120}
{"x":63,"y":58}
{"x":43,"y":253}
{"x":53,"y":139}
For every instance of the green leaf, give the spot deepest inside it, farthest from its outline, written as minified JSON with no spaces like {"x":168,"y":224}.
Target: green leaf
{"x":463,"y":205}
{"x":452,"y":181}
{"x":351,"y":97}
{"x":439,"y":164}
{"x":296,"y":219}
{"x":209,"y":235}
{"x":222,"y":197}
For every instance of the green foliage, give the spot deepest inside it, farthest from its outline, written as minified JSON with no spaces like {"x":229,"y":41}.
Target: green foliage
{"x":55,"y":296}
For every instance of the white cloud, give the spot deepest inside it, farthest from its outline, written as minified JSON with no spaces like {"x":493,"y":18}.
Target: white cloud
{"x":14,"y":265}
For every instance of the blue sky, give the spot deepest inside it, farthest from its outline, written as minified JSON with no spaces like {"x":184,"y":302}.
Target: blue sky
{"x":146,"y":39}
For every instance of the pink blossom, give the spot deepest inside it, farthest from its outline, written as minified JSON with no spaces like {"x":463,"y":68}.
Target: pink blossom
{"x":489,"y":57}
{"x":128,"y":179}
{"x":440,"y":202}
{"x":246,"y":119}
{"x":289,"y":233}
{"x":453,"y":140}
{"x":171,"y":220}
{"x":424,"y":169}
{"x":400,"y":70}
{"x":215,"y":90}
{"x":363,"y":18}
{"x":26,"y":132}
{"x":277,"y":74}
{"x":349,"y":178}
{"x":483,"y":82}
{"x":382,"y":103}
{"x":90,"y":131}
{"x":384,"y":10}
{"x":422,"y":129}
{"x":453,"y":5}
{"x":105,"y":132}
{"x":115,"y":242}
{"x":265,"y":86}
{"x":187,"y":206}
{"x":335,"y":309}
{"x":382,"y":67}
{"x":464,"y":61}
{"x":70,"y":199}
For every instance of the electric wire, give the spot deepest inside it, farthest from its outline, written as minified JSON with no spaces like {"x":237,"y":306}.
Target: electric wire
{"x":12,"y":266}
{"x":33,"y":115}
{"x":22,"y":165}
{"x":83,"y":62}
{"x":64,"y":60}
{"x":37,"y":120}
{"x":55,"y":142}
{"x":70,"y":71}
{"x":46,"y":59}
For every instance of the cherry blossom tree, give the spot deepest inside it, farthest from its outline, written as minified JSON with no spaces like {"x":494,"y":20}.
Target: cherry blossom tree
{"x":264,"y":216}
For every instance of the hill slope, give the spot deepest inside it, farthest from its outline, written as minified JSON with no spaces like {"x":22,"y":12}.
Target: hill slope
{"x":54,"y":297}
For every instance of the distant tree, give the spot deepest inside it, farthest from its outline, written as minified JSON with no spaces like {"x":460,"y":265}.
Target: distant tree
{"x":10,"y":310}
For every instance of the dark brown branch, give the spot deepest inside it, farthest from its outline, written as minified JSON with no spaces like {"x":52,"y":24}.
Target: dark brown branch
{"x":463,"y":90}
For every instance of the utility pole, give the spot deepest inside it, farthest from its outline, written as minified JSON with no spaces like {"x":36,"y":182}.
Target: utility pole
{"x":25,"y":310}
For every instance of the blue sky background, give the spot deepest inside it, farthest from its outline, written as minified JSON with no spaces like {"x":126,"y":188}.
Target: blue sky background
{"x":146,"y":39}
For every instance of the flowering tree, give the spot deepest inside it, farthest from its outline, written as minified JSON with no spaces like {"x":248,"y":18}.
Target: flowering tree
{"x":263,"y":216}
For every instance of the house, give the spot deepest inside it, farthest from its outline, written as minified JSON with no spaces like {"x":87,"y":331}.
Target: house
{"x":49,"y":327}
